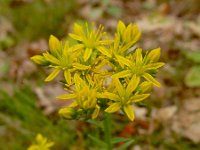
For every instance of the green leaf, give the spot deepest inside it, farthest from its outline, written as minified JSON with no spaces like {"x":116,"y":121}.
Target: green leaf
{"x":97,"y":141}
{"x":194,"y":56}
{"x":116,"y":140}
{"x":192,"y":78}
{"x":114,"y":11}
{"x":126,"y":145}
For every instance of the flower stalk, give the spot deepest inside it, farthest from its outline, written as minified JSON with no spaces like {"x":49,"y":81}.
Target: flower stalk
{"x":107,"y":130}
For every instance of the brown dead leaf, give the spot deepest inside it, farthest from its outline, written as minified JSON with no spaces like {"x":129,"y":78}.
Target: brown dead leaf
{"x":164,"y":114}
{"x":186,"y":122}
{"x":140,"y":112}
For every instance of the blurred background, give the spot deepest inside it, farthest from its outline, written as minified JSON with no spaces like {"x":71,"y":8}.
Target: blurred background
{"x":168,"y":120}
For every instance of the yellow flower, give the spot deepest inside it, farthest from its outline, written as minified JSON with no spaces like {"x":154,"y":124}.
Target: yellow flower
{"x":84,"y":95}
{"x":41,"y":143}
{"x":68,"y":112}
{"x":89,"y":39}
{"x":61,"y":57}
{"x":125,"y":37}
{"x":123,"y":98}
{"x":140,"y":66}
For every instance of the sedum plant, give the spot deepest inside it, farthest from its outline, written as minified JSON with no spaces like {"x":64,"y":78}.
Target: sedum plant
{"x":102,"y":74}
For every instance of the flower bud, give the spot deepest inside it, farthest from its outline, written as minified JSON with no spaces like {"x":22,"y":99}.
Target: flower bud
{"x":67,"y":113}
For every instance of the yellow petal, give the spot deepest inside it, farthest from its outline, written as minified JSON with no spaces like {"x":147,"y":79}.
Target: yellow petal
{"x":138,"y":98}
{"x":116,"y":41}
{"x":80,"y":66}
{"x":154,"y":55}
{"x":129,"y":112}
{"x":39,"y":138}
{"x":145,"y":86}
{"x":51,"y":58}
{"x":49,"y":144}
{"x":154,"y":65}
{"x":78,"y":29}
{"x":54,"y":45}
{"x":66,"y":96}
{"x":87,"y":54}
{"x":135,"y":33}
{"x":67,"y":112}
{"x":52,"y":75}
{"x":119,"y":87}
{"x":121,"y":27}
{"x":123,"y":60}
{"x":132,"y":85}
{"x":96,"y":112}
{"x":76,"y":37}
{"x":122,"y":74}
{"x":104,"y":51}
{"x":108,"y":95}
{"x":38,"y":59}
{"x":68,"y":77}
{"x":149,"y":78}
{"x":113,"y":108}
{"x":138,"y":56}
{"x":77,"y":47}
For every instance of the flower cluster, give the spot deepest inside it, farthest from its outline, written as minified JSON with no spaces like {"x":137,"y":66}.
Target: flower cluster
{"x":101,"y":73}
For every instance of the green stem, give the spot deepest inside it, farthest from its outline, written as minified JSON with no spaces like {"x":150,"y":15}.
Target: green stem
{"x":107,"y":130}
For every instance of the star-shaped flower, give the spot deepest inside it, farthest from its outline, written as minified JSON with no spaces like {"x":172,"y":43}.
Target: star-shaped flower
{"x":123,"y":98}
